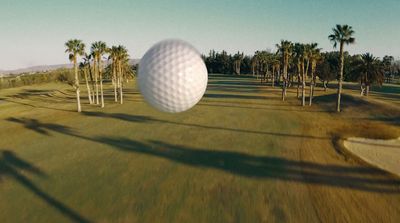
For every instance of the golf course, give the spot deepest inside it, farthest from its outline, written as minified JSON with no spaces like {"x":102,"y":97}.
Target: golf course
{"x":240,"y":155}
{"x":180,"y":111}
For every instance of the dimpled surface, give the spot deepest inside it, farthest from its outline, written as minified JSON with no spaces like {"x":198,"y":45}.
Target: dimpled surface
{"x":172,"y":76}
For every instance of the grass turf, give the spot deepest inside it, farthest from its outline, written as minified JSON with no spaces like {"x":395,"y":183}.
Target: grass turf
{"x":240,"y":155}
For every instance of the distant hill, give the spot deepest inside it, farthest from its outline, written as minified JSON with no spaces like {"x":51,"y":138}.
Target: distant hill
{"x":40,"y":68}
{"x":43,"y":68}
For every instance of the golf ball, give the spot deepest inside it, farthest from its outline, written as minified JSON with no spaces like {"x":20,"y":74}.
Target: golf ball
{"x":172,"y":76}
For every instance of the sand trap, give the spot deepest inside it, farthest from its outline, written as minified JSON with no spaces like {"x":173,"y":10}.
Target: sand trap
{"x":384,"y":154}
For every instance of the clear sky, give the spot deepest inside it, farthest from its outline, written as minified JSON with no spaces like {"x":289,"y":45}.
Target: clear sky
{"x":33,"y":32}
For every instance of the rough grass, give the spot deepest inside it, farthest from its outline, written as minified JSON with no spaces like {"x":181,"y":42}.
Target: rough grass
{"x":361,"y":117}
{"x":240,"y":155}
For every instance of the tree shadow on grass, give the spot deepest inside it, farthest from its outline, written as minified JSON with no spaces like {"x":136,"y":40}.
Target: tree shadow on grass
{"x":383,"y":90}
{"x":236,"y":96}
{"x":40,"y":98}
{"x":148,"y":119}
{"x":245,"y":103}
{"x":352,"y":104}
{"x":46,"y":128}
{"x":255,"y":108}
{"x":247,"y":83}
{"x":238,"y":88}
{"x":11,"y":166}
{"x":357,"y":178}
{"x":120,"y":116}
{"x":395,"y":120}
{"x":45,"y":96}
{"x":266,"y":167}
{"x":34,"y":105}
{"x":39,"y":127}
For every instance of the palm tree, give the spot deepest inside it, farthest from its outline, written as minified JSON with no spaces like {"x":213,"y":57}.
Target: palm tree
{"x":276,"y":67}
{"x":388,"y":66}
{"x":84,"y":69}
{"x":113,"y":55}
{"x":313,"y":56}
{"x":368,"y":69}
{"x":75,"y":48}
{"x":87,"y":59}
{"x":254,"y":64}
{"x":122,"y":60}
{"x":257,"y":63}
{"x":96,"y":85}
{"x":342,"y":34}
{"x":301,"y":55}
{"x":120,"y":68}
{"x":263,"y":59}
{"x":285,"y":48}
{"x":98,"y":49}
{"x":297,"y":60}
{"x":237,"y":61}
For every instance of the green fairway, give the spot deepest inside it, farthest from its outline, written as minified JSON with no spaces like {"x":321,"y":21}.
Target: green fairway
{"x":240,"y":155}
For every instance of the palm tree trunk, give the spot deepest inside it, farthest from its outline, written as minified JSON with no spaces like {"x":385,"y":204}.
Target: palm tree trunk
{"x":361,"y":89}
{"x":257,"y":70}
{"x":91,"y":81}
{"x":341,"y":65}
{"x":87,"y":85}
{"x":114,"y":81}
{"x":312,"y":81}
{"x":283,"y":89}
{"x":298,"y":79}
{"x":101,"y":82}
{"x":78,"y":99}
{"x":307,"y":67}
{"x":95,"y":80}
{"x":273,"y":76}
{"x":311,"y":87}
{"x":120,"y":83}
{"x":314,"y":86}
{"x":237,"y":67}
{"x":303,"y":86}
{"x":298,"y":85}
{"x":279,"y":77}
{"x":284,"y":77}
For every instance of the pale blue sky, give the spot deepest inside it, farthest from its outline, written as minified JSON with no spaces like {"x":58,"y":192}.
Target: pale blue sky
{"x":33,"y":32}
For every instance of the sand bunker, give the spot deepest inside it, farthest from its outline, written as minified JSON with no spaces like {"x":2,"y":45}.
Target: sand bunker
{"x":384,"y":154}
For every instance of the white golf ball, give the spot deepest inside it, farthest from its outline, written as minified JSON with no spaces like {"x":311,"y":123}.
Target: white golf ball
{"x":172,"y":76}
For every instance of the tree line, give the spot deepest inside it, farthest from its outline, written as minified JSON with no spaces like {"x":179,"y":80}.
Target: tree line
{"x":23,"y":79}
{"x":301,"y":63}
{"x":93,"y":69}
{"x":292,"y":64}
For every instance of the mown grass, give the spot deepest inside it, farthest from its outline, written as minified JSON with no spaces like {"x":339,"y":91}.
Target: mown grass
{"x":240,"y":155}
